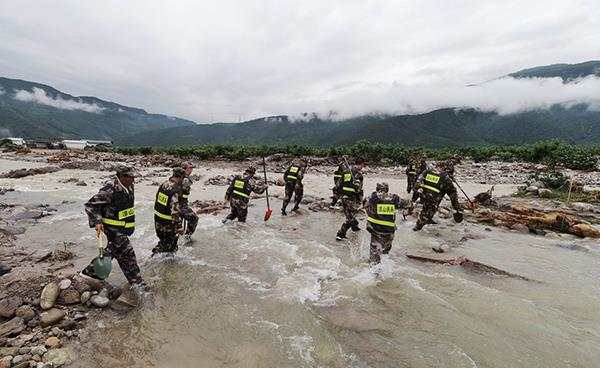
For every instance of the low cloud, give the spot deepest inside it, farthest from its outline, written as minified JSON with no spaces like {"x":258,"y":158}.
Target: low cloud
{"x":5,"y":133}
{"x":39,"y":96}
{"x":505,"y":96}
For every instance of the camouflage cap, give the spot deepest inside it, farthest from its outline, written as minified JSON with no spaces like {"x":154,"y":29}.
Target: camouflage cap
{"x":251,"y":170}
{"x":124,"y":170}
{"x":178,"y":172}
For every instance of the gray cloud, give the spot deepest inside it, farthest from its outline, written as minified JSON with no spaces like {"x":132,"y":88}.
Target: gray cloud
{"x":228,"y":60}
{"x":39,"y":96}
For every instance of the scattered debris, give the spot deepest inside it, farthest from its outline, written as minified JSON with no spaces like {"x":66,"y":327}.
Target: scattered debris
{"x":218,"y":180}
{"x":21,"y":173}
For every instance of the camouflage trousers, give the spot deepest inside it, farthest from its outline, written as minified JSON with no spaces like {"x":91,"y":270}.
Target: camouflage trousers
{"x":167,"y":239}
{"x":296,"y":189}
{"x":381,"y":243}
{"x":120,"y":249}
{"x":411,"y":182}
{"x":239,"y":210}
{"x":190,"y":217}
{"x":335,"y":196}
{"x":427,"y":213}
{"x":350,"y":206}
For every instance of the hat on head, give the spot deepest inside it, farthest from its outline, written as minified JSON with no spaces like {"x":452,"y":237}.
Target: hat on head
{"x":123,"y":170}
{"x":178,"y":172}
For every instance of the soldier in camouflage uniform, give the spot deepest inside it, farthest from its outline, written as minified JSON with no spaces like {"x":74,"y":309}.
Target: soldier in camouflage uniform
{"x":337,"y":177}
{"x":433,"y":185}
{"x":112,"y":212}
{"x":293,"y":185}
{"x":415,"y":168}
{"x":381,"y":210}
{"x":187,"y":213}
{"x":167,"y":213}
{"x":351,"y":187}
{"x":238,"y":194}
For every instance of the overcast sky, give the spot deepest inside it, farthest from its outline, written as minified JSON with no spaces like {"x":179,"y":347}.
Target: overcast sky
{"x":229,"y":60}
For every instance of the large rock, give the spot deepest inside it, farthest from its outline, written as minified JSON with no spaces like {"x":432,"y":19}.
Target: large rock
{"x":9,"y":351}
{"x":49,"y":295}
{"x":8,"y":306}
{"x":6,"y":362}
{"x":58,"y":357}
{"x":51,"y":317}
{"x":52,"y":342}
{"x":13,"y":327}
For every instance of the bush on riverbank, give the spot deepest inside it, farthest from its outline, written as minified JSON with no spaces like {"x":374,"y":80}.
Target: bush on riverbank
{"x":553,"y":153}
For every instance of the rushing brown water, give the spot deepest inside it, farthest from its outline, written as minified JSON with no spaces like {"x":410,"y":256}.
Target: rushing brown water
{"x":286,"y":294}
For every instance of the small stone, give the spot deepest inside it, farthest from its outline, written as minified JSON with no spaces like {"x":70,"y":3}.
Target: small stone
{"x":69,"y":296}
{"x":56,"y":331}
{"x":99,"y":301}
{"x":20,"y":359}
{"x":64,"y":284}
{"x":25,"y":350}
{"x":38,"y":350}
{"x":24,"y":364}
{"x":8,"y":306}
{"x":51,"y":317}
{"x":26,"y":312}
{"x":49,"y":295}
{"x":520,"y":228}
{"x":79,"y":317}
{"x":13,"y":327}
{"x":81,"y":183}
{"x":58,"y":357}
{"x":545,"y":193}
{"x":9,"y":351}
{"x":36,"y":358}
{"x":33,"y":323}
{"x":52,"y":342}
{"x":6,"y":362}
{"x":532,"y":190}
{"x":85,"y":296}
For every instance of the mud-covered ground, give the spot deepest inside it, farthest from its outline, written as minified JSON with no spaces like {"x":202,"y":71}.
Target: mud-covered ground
{"x":293,"y":264}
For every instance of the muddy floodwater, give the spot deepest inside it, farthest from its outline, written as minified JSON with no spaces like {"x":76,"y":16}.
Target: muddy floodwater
{"x":286,"y":294}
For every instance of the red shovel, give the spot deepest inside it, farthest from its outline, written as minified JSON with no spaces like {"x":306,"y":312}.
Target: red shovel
{"x":269,"y":210}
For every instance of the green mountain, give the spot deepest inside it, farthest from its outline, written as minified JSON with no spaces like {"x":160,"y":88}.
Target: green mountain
{"x":33,"y":110}
{"x":568,"y":72}
{"x":444,"y":127}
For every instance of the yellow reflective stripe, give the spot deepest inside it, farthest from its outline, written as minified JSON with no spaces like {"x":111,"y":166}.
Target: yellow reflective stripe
{"x":163,"y":216}
{"x":126,"y":213}
{"x":292,"y":177}
{"x":381,"y":222}
{"x":348,"y":189}
{"x":412,"y":172}
{"x":241,"y":194}
{"x":337,"y":176}
{"x":118,"y":223}
{"x":430,"y":188}
{"x":185,"y":195}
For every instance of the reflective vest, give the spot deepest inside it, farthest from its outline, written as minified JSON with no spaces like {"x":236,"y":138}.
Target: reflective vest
{"x":162,"y":205}
{"x":431,"y":182}
{"x":241,"y":188}
{"x":291,"y":173}
{"x":119,"y":215}
{"x":348,"y":185}
{"x":383,"y":220}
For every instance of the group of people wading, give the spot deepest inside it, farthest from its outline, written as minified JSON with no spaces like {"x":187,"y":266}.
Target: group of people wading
{"x":111,"y":211}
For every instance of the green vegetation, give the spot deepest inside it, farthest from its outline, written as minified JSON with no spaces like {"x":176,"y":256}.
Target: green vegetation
{"x":553,"y":153}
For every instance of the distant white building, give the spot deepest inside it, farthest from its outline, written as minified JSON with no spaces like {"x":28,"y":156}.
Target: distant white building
{"x":73,"y":144}
{"x":83,"y":144}
{"x":17,"y":141}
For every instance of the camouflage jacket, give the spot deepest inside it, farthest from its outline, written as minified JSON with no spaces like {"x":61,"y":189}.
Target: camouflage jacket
{"x":445,"y":186}
{"x":186,"y":186}
{"x":370,"y":205}
{"x":175,"y":192}
{"x":416,"y":167}
{"x":255,"y":185}
{"x":102,"y":203}
{"x":357,"y":182}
